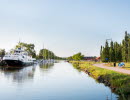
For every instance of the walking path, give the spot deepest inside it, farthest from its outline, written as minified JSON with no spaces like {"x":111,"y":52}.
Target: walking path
{"x":117,"y":69}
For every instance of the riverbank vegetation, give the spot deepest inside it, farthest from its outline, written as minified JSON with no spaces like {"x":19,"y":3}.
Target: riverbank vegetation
{"x":77,"y":56}
{"x":118,"y":82}
{"x":116,"y":52}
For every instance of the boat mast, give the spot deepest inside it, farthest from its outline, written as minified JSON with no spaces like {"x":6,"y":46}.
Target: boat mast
{"x":19,"y":43}
{"x":43,"y":52}
{"x":47,"y":55}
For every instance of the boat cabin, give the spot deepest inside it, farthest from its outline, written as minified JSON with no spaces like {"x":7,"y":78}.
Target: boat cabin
{"x":20,"y":51}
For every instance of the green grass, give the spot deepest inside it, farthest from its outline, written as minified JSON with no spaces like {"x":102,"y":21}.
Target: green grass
{"x":119,"y":83}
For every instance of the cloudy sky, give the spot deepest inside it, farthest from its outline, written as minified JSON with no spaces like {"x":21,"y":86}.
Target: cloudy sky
{"x":63,"y":26}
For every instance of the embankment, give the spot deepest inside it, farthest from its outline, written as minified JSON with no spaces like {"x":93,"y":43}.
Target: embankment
{"x":118,"y":82}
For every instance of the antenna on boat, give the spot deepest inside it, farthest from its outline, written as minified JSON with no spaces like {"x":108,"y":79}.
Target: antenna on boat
{"x":48,"y":55}
{"x":19,"y":41}
{"x":20,"y":44}
{"x":43,"y":51}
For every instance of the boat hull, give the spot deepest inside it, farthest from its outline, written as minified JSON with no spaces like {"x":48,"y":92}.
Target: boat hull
{"x":17,"y":63}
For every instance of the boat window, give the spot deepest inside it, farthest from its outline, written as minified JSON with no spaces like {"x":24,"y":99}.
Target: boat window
{"x":17,"y":51}
{"x":25,"y":53}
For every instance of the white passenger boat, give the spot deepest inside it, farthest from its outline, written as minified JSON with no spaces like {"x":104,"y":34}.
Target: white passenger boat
{"x":19,"y":57}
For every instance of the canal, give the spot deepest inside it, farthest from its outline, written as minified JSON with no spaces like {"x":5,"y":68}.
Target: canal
{"x":58,"y":81}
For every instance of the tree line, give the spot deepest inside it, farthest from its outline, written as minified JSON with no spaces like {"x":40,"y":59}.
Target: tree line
{"x":47,"y":54}
{"x":30,"y":48}
{"x":116,"y":52}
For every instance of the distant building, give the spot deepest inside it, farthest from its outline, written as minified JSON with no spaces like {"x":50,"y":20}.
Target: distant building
{"x":92,"y":58}
{"x":98,"y":59}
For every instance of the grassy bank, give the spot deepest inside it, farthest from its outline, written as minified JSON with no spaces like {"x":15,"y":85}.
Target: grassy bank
{"x":119,"y":83}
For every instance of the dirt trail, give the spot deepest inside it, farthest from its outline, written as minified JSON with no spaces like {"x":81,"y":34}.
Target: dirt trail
{"x":117,"y":69}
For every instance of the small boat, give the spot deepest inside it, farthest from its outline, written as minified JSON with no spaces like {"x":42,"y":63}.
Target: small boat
{"x":34,"y":61}
{"x":19,"y":57}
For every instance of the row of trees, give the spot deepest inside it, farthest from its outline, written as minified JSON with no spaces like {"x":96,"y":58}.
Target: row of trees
{"x":27,"y":47}
{"x":47,"y":54}
{"x":116,"y":52}
{"x":77,"y":56}
{"x":30,"y":48}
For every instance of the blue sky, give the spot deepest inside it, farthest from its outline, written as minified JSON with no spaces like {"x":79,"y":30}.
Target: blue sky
{"x":64,"y":26}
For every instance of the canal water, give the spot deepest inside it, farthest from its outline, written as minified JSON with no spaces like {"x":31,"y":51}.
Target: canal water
{"x":58,"y":81}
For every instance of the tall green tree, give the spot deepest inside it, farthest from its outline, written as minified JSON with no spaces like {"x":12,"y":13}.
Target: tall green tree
{"x":129,"y":50}
{"x":103,"y":58}
{"x":46,"y":54}
{"x":101,"y":52}
{"x":119,"y":53}
{"x":123,"y":51}
{"x":116,"y":49}
{"x":111,"y":52}
{"x":125,"y":47}
{"x":106,"y":52}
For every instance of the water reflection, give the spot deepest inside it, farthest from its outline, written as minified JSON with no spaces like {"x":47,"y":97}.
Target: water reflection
{"x":23,"y":74}
{"x":51,"y":81}
{"x":46,"y":66}
{"x":19,"y":75}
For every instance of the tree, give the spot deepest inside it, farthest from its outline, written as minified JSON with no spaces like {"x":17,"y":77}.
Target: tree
{"x":77,"y":56}
{"x":70,"y":58}
{"x":106,"y":56}
{"x":123,"y":51}
{"x":116,"y":52}
{"x":125,"y":47}
{"x":111,"y":52}
{"x":101,"y":52}
{"x":129,"y":50}
{"x":27,"y":47}
{"x":120,"y":53}
{"x":46,"y":54}
{"x":116,"y":56}
{"x":2,"y":52}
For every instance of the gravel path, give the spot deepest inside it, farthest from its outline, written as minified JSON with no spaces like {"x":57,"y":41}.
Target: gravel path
{"x":117,"y":69}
